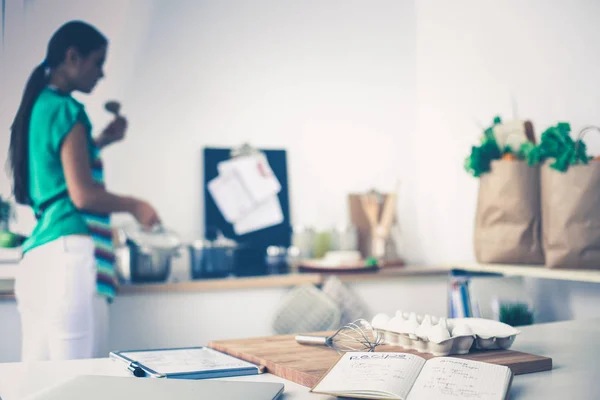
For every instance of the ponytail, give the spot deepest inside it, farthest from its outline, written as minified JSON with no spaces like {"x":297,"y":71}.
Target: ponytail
{"x":19,"y":136}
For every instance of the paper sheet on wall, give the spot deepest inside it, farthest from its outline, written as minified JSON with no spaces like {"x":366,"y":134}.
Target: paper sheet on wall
{"x":267,"y":214}
{"x":255,"y":174}
{"x":246,"y":193}
{"x":231,"y":197}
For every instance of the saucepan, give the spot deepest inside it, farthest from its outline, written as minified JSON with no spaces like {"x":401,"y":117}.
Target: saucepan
{"x":212,"y":258}
{"x":145,"y":255}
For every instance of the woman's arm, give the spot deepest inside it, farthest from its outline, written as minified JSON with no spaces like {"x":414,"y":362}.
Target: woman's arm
{"x":88,"y":195}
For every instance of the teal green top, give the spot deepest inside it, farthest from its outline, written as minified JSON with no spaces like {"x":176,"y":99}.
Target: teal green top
{"x":53,"y":116}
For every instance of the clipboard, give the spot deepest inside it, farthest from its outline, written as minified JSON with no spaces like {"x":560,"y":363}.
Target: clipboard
{"x":214,"y":221}
{"x":184,"y":363}
{"x":250,"y":257}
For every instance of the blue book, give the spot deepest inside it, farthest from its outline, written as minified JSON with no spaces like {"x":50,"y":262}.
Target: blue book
{"x":184,"y":363}
{"x":466,"y":301}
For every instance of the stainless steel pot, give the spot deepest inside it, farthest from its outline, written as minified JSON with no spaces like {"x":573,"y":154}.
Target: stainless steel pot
{"x":149,"y":264}
{"x":145,"y":256}
{"x":212,"y":259}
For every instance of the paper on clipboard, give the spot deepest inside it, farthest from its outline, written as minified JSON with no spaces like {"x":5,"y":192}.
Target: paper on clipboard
{"x":255,"y":173}
{"x":231,"y":196}
{"x":245,"y":191}
{"x":186,"y":360}
{"x":196,"y":361}
{"x":267,"y":214}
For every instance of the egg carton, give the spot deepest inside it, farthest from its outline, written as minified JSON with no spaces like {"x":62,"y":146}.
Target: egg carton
{"x":441,"y":336}
{"x":453,"y":345}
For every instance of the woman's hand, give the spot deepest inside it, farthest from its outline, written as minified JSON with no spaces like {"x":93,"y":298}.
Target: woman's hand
{"x":145,"y":214}
{"x":114,"y":132}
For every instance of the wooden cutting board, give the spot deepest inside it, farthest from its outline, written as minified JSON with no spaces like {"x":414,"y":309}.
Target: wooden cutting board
{"x":305,"y":365}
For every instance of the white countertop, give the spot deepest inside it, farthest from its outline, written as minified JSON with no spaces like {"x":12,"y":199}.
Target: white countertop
{"x":573,"y":345}
{"x":18,"y":380}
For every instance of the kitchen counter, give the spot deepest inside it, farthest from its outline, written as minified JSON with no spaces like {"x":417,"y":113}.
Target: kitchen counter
{"x":284,"y":280}
{"x":176,"y":314}
{"x":574,"y":374}
{"x":253,"y":282}
{"x":7,"y":272}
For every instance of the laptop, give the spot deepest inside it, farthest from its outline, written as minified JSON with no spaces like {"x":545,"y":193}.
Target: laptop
{"x":91,"y":387}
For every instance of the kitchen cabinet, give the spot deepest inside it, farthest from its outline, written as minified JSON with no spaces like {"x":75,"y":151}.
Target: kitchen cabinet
{"x":196,"y":312}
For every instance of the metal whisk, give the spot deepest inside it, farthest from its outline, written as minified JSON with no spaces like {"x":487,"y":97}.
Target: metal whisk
{"x":355,"y":336}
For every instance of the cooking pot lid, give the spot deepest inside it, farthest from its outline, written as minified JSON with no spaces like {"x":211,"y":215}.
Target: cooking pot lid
{"x":201,"y":244}
{"x":222,"y":241}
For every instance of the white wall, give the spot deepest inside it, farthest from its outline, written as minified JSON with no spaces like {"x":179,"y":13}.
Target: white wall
{"x":472,"y":57}
{"x":28,"y":29}
{"x":10,"y":332}
{"x":163,"y":320}
{"x":333,"y":82}
{"x":360,"y":93}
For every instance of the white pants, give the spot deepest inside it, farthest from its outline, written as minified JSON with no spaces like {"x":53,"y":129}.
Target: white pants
{"x":56,"y":296}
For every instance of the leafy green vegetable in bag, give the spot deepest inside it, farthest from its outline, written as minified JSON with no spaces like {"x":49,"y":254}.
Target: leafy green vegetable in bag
{"x":479,"y":162}
{"x":556,"y":143}
{"x":481,"y":157}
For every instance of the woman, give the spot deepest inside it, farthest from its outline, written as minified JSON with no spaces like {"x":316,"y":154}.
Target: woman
{"x":56,"y":169}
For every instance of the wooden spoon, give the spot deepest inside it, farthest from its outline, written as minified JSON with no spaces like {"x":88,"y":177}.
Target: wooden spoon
{"x":113,"y":107}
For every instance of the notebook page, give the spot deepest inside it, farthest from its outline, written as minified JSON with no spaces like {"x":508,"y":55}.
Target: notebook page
{"x":447,"y":378}
{"x":392,"y":373}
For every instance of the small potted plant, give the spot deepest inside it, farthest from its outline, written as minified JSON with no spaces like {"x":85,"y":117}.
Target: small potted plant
{"x":516,"y":314}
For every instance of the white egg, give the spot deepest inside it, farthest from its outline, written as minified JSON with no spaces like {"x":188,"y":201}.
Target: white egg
{"x":380,"y":321}
{"x":438,"y":333}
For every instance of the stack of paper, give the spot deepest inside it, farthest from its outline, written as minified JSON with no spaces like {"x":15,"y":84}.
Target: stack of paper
{"x":246,"y":193}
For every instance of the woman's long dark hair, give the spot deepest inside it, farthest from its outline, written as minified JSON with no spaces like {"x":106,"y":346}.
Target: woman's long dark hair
{"x":75,"y":34}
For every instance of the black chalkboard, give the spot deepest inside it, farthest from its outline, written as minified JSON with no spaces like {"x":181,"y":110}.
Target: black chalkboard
{"x":253,"y":245}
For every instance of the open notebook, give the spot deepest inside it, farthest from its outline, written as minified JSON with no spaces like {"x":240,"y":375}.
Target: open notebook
{"x":408,"y":377}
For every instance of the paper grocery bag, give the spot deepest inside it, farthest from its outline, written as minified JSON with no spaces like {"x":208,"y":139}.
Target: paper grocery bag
{"x":508,"y":217}
{"x":571,"y":214}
